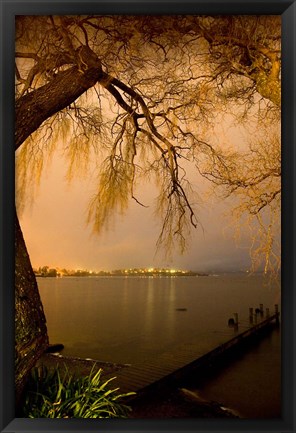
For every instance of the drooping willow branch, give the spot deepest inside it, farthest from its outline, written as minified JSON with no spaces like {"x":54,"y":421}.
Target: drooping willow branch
{"x":168,"y":151}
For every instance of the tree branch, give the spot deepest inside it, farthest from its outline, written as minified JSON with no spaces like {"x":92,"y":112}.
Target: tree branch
{"x":33,"y":109}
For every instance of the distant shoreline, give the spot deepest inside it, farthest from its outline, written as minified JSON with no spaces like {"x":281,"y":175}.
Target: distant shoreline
{"x":139,"y":275}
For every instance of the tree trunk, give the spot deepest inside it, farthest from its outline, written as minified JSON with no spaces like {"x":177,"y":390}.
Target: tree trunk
{"x":31,"y":111}
{"x":34,"y":108}
{"x":31,"y":338}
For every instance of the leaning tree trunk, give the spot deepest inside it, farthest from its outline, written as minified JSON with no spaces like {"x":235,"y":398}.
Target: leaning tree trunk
{"x":31,"y":111}
{"x":31,"y":338}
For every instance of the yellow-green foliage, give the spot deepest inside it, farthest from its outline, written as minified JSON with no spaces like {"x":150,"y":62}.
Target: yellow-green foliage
{"x":114,"y":192}
{"x":50,"y":394}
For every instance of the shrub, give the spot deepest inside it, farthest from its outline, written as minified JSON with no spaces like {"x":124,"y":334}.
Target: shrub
{"x":48,"y":395}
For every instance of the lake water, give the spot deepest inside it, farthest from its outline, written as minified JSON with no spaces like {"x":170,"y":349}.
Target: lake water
{"x":133,"y":319}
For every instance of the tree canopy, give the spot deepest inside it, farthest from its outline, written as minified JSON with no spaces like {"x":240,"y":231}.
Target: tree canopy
{"x":140,"y":96}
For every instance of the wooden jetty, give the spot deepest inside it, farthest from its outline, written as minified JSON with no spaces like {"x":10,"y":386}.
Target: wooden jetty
{"x":171,"y":368}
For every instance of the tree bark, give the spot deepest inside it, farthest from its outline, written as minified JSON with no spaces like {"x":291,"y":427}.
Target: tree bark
{"x":31,"y":110}
{"x":31,"y":338}
{"x":34,"y":108}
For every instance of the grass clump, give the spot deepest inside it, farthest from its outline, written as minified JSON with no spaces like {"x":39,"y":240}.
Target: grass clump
{"x":50,"y":394}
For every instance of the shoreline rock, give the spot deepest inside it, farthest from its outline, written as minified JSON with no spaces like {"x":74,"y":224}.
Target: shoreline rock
{"x":176,"y":404}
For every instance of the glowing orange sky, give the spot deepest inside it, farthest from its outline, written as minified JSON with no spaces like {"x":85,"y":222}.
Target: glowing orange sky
{"x":56,"y":233}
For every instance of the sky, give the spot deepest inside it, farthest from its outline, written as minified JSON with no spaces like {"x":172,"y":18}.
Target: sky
{"x":57,"y":235}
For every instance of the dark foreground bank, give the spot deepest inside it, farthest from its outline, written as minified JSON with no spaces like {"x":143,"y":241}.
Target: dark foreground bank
{"x":178,"y":403}
{"x":219,"y":390}
{"x":162,"y":402}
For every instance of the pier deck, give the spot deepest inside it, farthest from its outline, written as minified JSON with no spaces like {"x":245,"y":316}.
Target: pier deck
{"x":169,"y":367}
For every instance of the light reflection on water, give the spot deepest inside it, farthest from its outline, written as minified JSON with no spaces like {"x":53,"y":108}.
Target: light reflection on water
{"x":129,"y":319}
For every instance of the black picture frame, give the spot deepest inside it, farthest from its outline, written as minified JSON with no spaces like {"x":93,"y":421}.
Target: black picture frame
{"x":9,"y":9}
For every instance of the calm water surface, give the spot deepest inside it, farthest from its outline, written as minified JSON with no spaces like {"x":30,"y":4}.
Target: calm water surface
{"x":131,"y":319}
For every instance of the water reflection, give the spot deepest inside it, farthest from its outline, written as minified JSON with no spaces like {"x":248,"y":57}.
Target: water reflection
{"x":131,"y":319}
{"x":128,"y":319}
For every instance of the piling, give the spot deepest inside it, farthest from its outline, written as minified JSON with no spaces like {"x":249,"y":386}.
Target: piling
{"x":231,"y":322}
{"x":256,"y":317}
{"x":267,"y":313}
{"x":261,"y":310}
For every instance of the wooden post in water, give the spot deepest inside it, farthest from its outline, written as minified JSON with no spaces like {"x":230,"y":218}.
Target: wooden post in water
{"x":256,"y":316}
{"x":251,"y":317}
{"x":267,"y":313}
{"x":261,"y":310}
